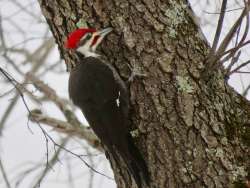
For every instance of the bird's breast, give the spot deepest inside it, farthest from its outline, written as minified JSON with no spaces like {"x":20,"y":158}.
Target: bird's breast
{"x":92,"y":82}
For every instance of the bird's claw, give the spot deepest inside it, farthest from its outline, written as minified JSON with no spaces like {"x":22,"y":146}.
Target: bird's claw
{"x":135,"y":73}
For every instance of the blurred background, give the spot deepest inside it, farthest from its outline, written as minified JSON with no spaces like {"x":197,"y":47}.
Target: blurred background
{"x":28,"y":157}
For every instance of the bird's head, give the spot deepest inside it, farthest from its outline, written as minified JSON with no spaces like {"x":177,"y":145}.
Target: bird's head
{"x":86,"y":40}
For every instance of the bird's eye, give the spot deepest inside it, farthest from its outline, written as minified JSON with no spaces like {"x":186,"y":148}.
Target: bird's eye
{"x":84,"y":39}
{"x":88,"y":36}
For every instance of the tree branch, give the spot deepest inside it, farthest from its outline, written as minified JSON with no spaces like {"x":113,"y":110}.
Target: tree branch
{"x":64,"y":127}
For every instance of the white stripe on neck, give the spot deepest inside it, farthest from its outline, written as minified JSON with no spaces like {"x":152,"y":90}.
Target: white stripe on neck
{"x":85,"y":51}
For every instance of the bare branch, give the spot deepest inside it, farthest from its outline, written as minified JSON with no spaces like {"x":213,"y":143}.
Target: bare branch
{"x":8,"y":111}
{"x":46,"y":135}
{"x":6,"y":180}
{"x":245,"y":92}
{"x":232,"y":51}
{"x":239,"y":67}
{"x":228,"y":10}
{"x":64,"y":127}
{"x":51,"y":162}
{"x":34,"y":61}
{"x":219,"y":27}
{"x":23,"y":8}
{"x":224,"y":44}
{"x":52,"y":96}
{"x":234,"y":60}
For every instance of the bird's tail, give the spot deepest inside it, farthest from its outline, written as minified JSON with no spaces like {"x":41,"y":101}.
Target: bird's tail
{"x":135,"y":162}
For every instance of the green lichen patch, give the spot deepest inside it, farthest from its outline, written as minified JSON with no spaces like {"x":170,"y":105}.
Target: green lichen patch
{"x":135,"y":133}
{"x":82,"y":24}
{"x":184,"y":85}
{"x":73,"y":16}
{"x":240,"y":175}
{"x":177,"y":15}
{"x":239,"y":172}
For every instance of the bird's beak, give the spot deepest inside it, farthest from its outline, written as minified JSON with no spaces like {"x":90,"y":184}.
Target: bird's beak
{"x":98,"y":37}
{"x":104,"y":32}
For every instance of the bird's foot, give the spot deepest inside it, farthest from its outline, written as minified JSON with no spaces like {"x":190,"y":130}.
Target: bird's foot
{"x":135,"y":73}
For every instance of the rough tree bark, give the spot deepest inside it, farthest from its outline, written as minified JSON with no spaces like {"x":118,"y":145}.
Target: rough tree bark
{"x":192,"y":128}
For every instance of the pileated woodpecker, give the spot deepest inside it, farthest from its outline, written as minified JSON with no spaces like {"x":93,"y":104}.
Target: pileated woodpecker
{"x":98,"y":90}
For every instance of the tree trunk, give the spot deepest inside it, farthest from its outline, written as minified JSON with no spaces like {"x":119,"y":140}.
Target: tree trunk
{"x":192,"y":128}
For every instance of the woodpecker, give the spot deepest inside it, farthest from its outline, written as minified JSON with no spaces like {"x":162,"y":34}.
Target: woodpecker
{"x":97,"y":89}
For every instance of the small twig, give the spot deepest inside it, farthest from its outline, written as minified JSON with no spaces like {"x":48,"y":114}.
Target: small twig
{"x":69,"y":173}
{"x":46,"y":135}
{"x":242,"y":72}
{"x":91,"y":174}
{"x":6,"y":180}
{"x":15,"y":83}
{"x":233,"y":50}
{"x":245,"y":92}
{"x":7,"y":92}
{"x":67,"y":128}
{"x":51,"y":162}
{"x":8,"y":111}
{"x":229,"y":10}
{"x":224,"y":44}
{"x":234,"y":60}
{"x":26,"y":10}
{"x":242,"y":41}
{"x":20,"y":10}
{"x":231,"y":33}
{"x":219,"y":27}
{"x":239,"y":67}
{"x":236,"y":57}
{"x":51,"y":95}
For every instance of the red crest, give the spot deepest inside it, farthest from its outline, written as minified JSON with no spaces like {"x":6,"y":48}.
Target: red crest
{"x":75,"y":36}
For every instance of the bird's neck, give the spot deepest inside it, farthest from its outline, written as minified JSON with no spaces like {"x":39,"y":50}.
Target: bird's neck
{"x":81,"y":58}
{"x":86,"y":52}
{"x":91,"y":54}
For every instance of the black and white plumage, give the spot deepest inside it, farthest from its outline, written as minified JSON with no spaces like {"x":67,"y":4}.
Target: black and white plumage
{"x":93,"y":88}
{"x":97,"y":89}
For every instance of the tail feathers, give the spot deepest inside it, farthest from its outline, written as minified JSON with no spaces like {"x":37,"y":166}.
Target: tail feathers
{"x":135,"y":171}
{"x":133,"y":160}
{"x":137,"y":164}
